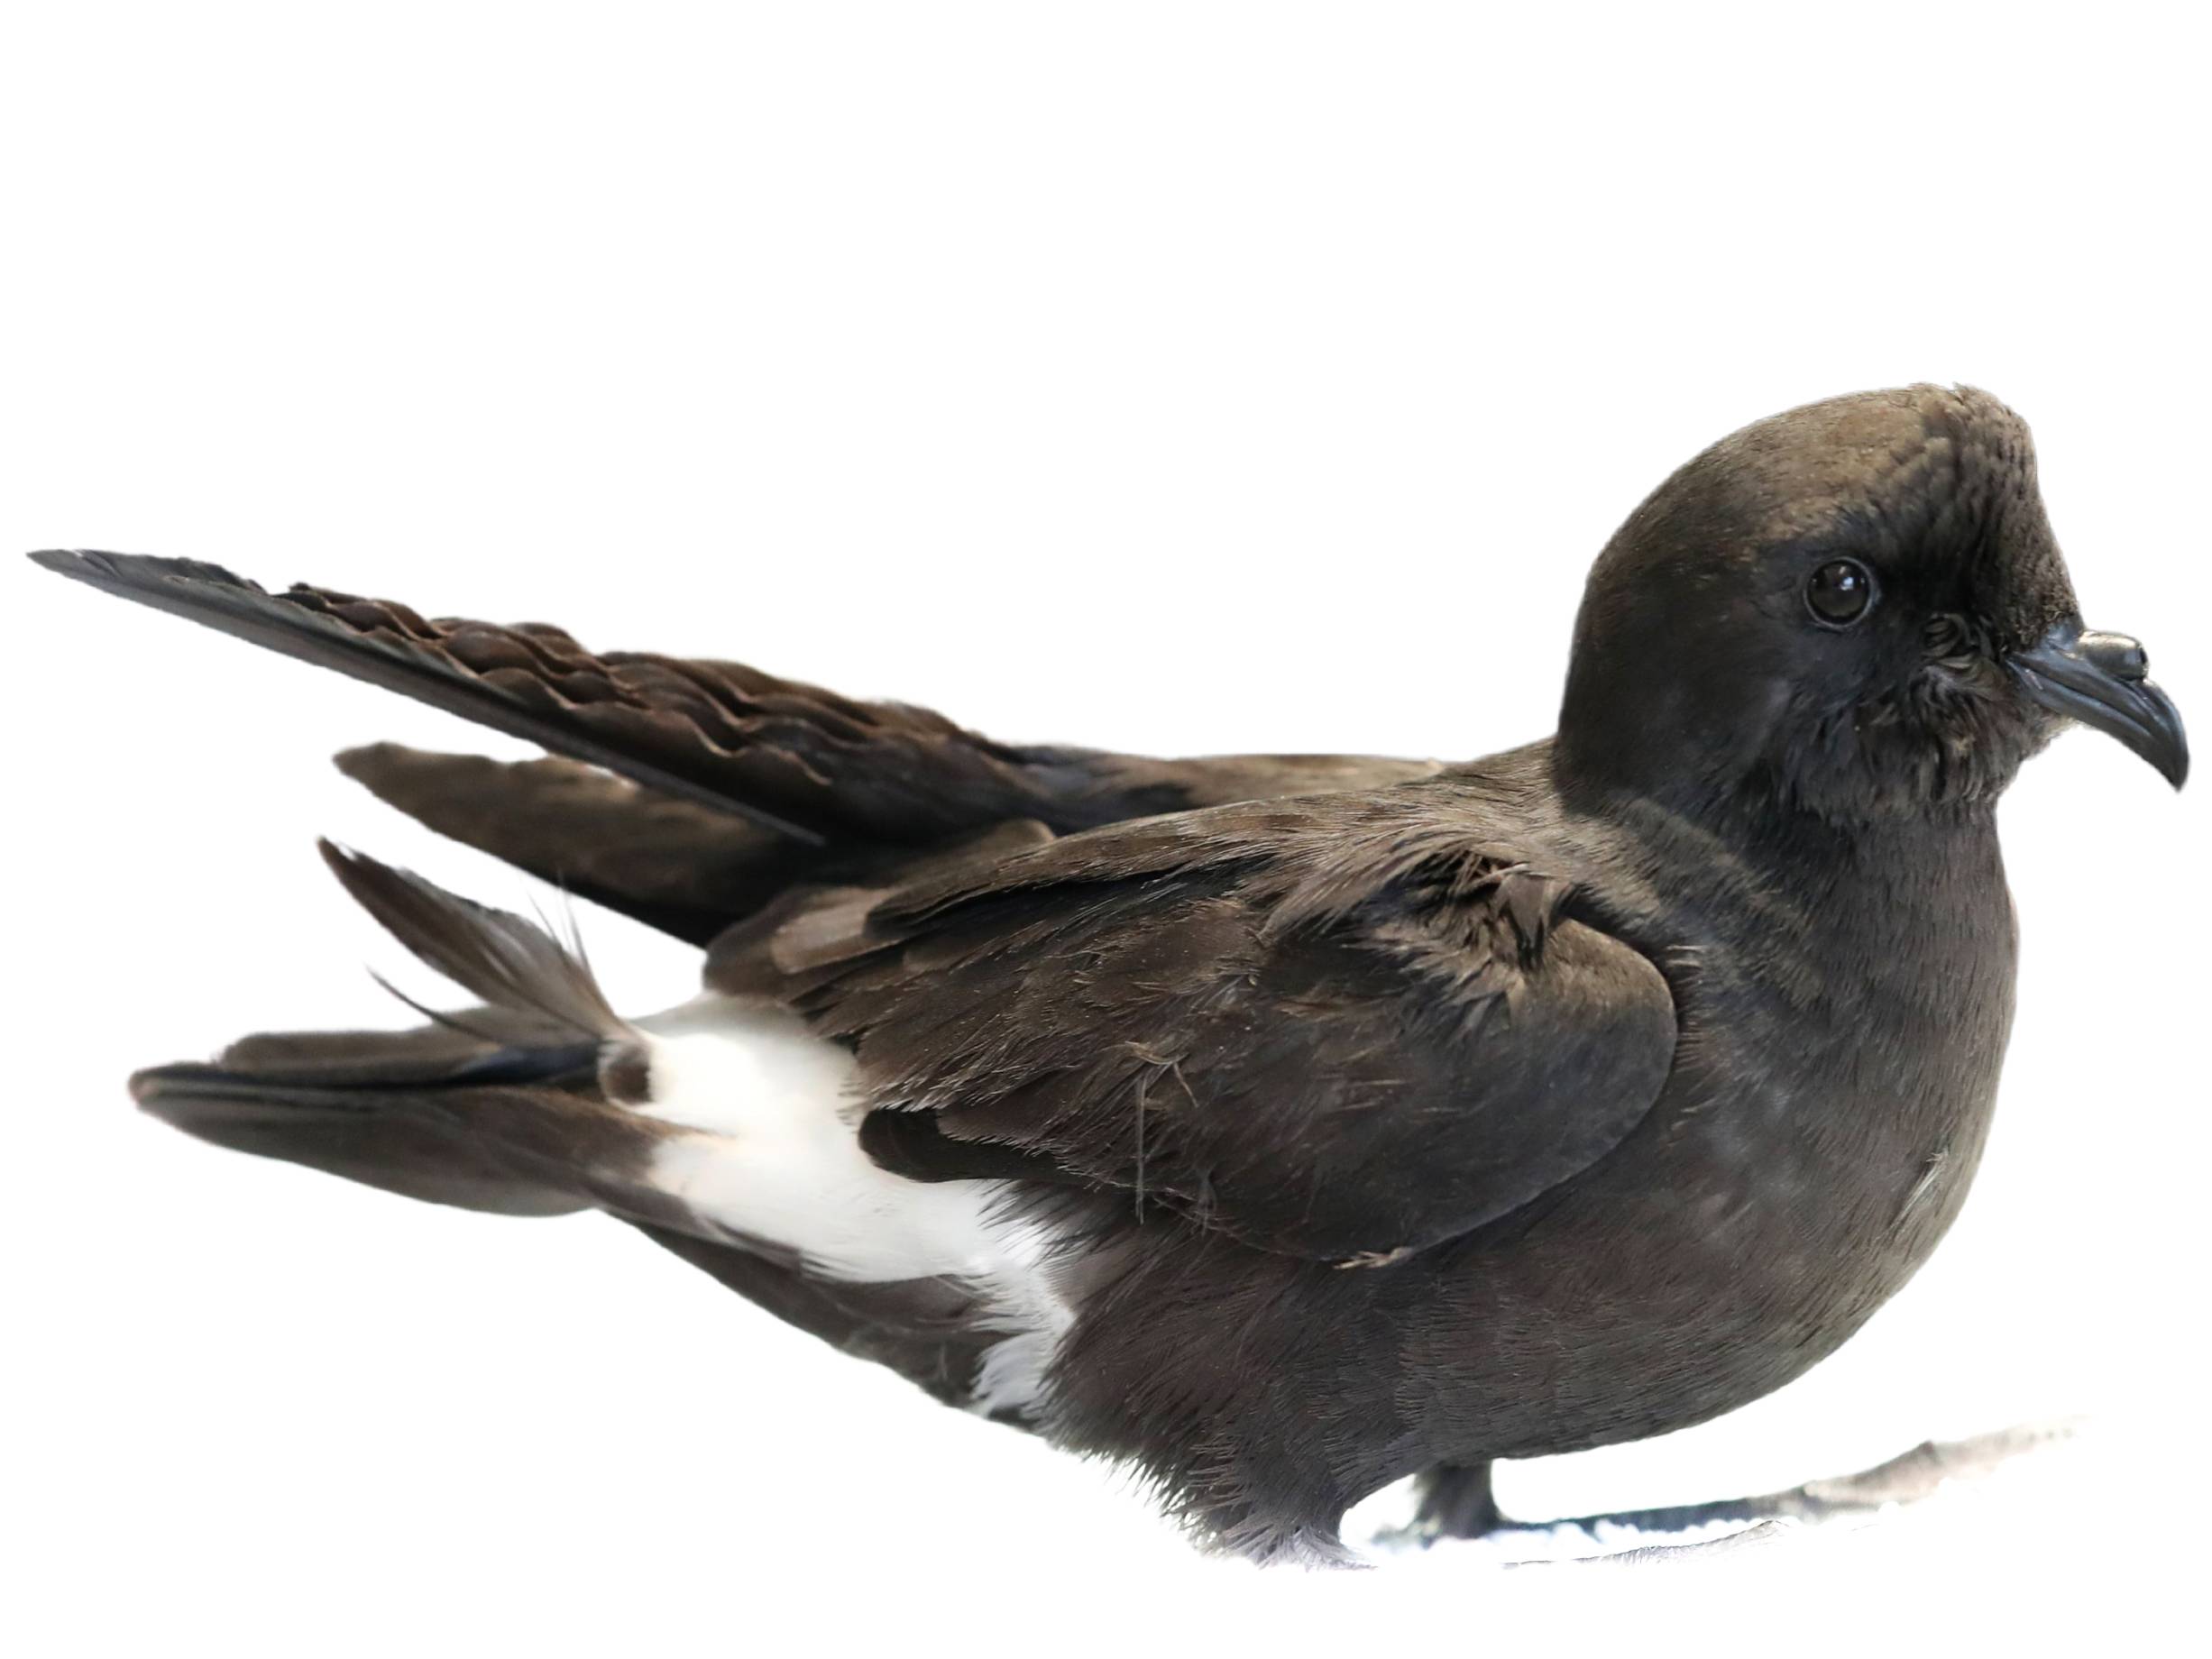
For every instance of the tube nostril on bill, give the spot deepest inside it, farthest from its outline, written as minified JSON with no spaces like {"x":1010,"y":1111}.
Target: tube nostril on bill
{"x":2117,"y":654}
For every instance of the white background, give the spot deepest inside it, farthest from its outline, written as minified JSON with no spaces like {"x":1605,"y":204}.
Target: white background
{"x":1177,"y":377}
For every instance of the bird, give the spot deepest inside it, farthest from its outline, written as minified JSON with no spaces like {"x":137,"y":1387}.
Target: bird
{"x":1278,"y":1127}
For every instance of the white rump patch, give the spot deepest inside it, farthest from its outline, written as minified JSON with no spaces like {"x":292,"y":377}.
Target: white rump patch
{"x":775,"y":1155}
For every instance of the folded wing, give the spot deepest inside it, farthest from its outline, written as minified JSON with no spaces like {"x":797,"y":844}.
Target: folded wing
{"x":1335,"y":1027}
{"x":689,"y":791}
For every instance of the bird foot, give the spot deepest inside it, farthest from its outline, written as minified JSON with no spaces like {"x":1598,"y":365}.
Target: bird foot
{"x":1456,"y":1502}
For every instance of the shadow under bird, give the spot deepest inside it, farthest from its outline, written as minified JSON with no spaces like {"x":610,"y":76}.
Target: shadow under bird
{"x":1281,"y":1126}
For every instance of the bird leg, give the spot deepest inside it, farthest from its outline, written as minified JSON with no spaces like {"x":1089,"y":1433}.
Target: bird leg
{"x":1454,"y":1501}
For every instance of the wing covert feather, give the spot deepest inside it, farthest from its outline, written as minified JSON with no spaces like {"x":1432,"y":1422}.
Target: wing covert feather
{"x":1333,"y":1029}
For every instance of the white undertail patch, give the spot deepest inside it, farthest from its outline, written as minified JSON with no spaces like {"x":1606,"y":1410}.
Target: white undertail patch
{"x":775,"y":1155}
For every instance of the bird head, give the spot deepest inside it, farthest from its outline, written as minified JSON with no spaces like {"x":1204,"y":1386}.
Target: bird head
{"x":1857,"y":609}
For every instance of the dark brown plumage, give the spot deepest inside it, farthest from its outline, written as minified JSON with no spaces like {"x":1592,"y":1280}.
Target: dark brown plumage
{"x":1386,"y":1117}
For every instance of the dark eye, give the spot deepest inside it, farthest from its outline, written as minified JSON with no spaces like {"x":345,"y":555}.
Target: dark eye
{"x":1840,"y":592}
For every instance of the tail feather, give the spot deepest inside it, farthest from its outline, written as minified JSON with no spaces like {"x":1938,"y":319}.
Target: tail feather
{"x":513,"y":1108}
{"x":511,"y":963}
{"x":409,"y":1139}
{"x":497,"y":1107}
{"x":460,"y":1040}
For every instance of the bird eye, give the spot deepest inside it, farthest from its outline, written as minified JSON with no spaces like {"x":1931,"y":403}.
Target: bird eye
{"x":1840,"y":592}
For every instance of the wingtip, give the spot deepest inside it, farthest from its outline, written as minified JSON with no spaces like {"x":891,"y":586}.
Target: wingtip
{"x":366,"y":762}
{"x":64,"y":561}
{"x":135,"y":570}
{"x":156,"y":1084}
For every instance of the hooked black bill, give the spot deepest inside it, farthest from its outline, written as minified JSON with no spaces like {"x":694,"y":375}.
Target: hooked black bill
{"x":2098,"y":679}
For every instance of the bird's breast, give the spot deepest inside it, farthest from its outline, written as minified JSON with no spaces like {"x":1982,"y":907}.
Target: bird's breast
{"x":1831,"y":1091}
